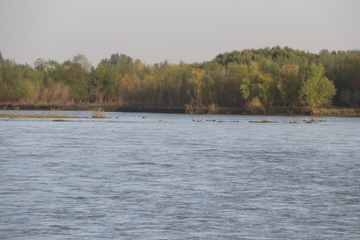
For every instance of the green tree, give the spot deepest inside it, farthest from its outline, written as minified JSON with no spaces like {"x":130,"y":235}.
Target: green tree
{"x":236,"y":72}
{"x":27,"y":89}
{"x":198,"y":81}
{"x":291,"y":83}
{"x":260,"y":85}
{"x":317,"y":90}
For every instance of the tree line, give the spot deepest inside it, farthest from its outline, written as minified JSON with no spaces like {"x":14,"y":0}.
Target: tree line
{"x":255,"y":78}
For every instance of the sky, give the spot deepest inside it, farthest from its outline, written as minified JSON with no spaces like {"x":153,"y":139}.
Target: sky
{"x":155,"y":31}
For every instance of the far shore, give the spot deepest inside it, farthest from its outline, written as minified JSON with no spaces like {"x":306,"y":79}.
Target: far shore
{"x":274,"y":111}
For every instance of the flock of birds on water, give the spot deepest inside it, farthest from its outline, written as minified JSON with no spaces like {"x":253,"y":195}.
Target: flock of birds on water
{"x":311,"y":120}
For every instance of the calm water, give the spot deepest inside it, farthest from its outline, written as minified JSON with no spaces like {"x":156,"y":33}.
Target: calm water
{"x":140,"y":178}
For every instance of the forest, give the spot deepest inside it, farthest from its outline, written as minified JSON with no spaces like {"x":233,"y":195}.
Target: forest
{"x":253,"y":78}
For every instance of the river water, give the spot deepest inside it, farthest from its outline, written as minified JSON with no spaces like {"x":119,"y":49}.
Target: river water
{"x":173,"y":176}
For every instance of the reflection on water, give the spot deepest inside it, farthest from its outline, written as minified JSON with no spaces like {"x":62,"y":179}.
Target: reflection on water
{"x":140,"y":178}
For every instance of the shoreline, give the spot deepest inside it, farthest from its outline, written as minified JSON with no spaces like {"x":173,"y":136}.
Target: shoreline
{"x":274,"y":111}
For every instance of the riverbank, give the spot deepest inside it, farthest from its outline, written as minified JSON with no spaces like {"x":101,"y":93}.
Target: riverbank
{"x":96,"y":113}
{"x":35,"y":115}
{"x":286,"y":111}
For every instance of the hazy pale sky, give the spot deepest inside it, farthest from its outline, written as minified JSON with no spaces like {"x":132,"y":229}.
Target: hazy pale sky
{"x":158,"y":30}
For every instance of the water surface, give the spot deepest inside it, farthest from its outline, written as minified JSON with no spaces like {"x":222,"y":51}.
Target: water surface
{"x":131,"y":177}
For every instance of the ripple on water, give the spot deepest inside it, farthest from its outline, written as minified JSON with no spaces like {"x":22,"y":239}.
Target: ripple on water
{"x":179,"y":179}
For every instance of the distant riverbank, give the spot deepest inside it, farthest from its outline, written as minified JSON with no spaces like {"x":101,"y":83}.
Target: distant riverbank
{"x":300,"y":111}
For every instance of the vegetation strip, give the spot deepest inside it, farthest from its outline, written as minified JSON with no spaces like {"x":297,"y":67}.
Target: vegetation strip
{"x":254,"y":80}
{"x":11,"y":115}
{"x":96,"y":113}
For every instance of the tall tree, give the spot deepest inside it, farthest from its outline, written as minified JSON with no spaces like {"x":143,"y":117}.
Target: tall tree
{"x":317,"y":90}
{"x":291,"y":83}
{"x":259,"y":85}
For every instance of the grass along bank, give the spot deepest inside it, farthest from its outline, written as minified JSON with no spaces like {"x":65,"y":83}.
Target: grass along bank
{"x":26,"y":114}
{"x":96,"y":113}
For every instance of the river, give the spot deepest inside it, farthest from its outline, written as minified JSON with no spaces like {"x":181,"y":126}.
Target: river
{"x":178,"y":176}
